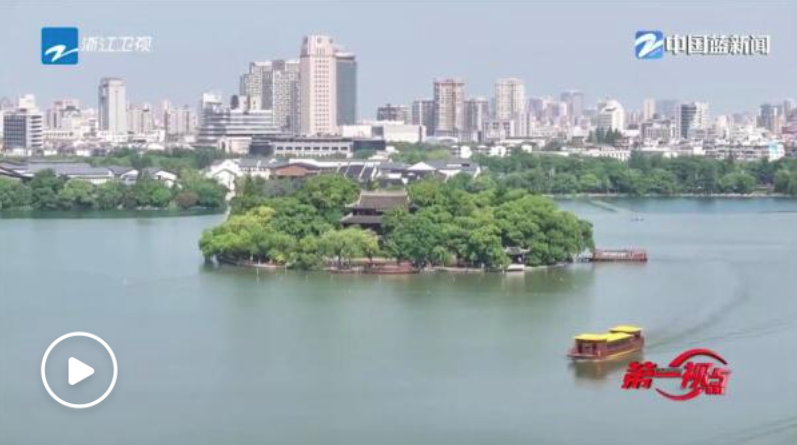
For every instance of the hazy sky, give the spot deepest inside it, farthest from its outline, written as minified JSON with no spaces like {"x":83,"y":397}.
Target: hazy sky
{"x":402,"y":46}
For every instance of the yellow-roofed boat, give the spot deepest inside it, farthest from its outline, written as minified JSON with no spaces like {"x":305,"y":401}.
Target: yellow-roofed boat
{"x":619,"y":340}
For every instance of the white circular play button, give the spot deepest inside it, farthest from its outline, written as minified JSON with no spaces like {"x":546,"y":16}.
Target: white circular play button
{"x":78,"y":371}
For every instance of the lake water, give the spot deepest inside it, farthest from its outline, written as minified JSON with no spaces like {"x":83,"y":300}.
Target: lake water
{"x":228,"y":356}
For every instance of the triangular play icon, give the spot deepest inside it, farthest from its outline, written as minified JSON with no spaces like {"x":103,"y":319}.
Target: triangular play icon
{"x":78,"y":371}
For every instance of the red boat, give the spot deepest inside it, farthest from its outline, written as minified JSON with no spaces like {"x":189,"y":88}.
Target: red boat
{"x":607,"y":255}
{"x":620,"y":340}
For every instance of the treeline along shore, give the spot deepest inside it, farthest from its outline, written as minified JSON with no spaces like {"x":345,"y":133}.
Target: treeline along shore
{"x":126,"y":180}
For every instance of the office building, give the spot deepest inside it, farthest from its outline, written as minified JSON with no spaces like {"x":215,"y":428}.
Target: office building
{"x":112,"y":106}
{"x":574,"y":101}
{"x":346,"y":88}
{"x":648,"y":109}
{"x":611,"y":116}
{"x":319,"y":88}
{"x":140,"y":119}
{"x":23,"y":128}
{"x":243,"y":119}
{"x":691,"y":117}
{"x":179,"y":122}
{"x":477,"y":112}
{"x":253,"y":82}
{"x":667,"y":108}
{"x":771,"y":117}
{"x":389,"y":112}
{"x":422,"y":113}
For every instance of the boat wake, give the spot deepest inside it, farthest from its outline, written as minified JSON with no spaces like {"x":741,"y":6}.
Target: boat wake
{"x":664,"y":342}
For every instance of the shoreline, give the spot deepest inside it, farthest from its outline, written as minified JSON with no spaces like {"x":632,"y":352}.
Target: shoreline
{"x":360,"y":270}
{"x":106,"y":214}
{"x":678,"y":195}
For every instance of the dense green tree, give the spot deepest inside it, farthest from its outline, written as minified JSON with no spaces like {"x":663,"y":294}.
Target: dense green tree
{"x":149,"y":192}
{"x":737,"y":182}
{"x":14,"y":194}
{"x":77,"y":194}
{"x":209,"y":193}
{"x":308,"y":254}
{"x":347,"y":244}
{"x":413,"y":238}
{"x":110,"y":195}
{"x":329,"y":194}
{"x":44,"y":187}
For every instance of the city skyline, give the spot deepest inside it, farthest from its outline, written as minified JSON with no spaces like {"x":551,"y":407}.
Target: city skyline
{"x":576,"y":59}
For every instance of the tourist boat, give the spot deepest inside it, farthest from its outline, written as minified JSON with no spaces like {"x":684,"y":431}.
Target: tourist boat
{"x":620,"y":340}
{"x":632,"y":255}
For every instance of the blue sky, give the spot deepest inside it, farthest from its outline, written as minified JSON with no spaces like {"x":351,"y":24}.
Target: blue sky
{"x":401,"y":46}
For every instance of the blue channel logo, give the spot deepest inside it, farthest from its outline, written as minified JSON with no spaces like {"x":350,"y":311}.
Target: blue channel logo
{"x":59,"y":46}
{"x":649,"y":45}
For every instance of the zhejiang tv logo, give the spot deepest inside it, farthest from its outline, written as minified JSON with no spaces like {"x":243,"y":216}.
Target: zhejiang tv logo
{"x":59,"y":46}
{"x":650,"y":45}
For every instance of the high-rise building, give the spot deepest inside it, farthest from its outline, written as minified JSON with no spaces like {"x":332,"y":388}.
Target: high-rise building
{"x":477,"y":112}
{"x":770,"y":116}
{"x":276,"y":84}
{"x":449,"y":107}
{"x":23,"y":127}
{"x":209,"y":103}
{"x":140,"y":119}
{"x":319,"y":86}
{"x":422,"y":113}
{"x":283,"y":94}
{"x":179,"y":122}
{"x":54,"y":115}
{"x":575,"y":103}
{"x":648,"y":109}
{"x":510,"y":98}
{"x":253,"y":82}
{"x":611,"y":116}
{"x":347,"y":88}
{"x":789,"y":107}
{"x":390,"y":112}
{"x":112,"y":106}
{"x":690,"y":117}
{"x":667,"y":108}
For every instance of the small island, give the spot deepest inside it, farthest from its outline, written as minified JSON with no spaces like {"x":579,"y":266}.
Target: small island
{"x":327,"y":222}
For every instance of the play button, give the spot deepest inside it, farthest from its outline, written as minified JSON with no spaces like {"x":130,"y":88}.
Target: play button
{"x":78,"y":371}
{"x":73,"y":388}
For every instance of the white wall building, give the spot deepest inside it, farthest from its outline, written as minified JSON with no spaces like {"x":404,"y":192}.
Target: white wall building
{"x":611,"y":116}
{"x":318,"y":86}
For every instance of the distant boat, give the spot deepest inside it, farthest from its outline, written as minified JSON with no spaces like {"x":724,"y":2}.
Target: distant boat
{"x":608,"y":255}
{"x":620,"y":340}
{"x":514,"y":267}
{"x":637,"y":219}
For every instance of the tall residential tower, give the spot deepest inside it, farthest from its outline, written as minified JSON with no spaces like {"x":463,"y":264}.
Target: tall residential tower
{"x":449,"y":107}
{"x":112,"y":106}
{"x":510,"y":98}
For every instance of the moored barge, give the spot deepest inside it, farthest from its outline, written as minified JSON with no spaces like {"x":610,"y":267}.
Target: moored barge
{"x":620,"y":340}
{"x":631,"y":255}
